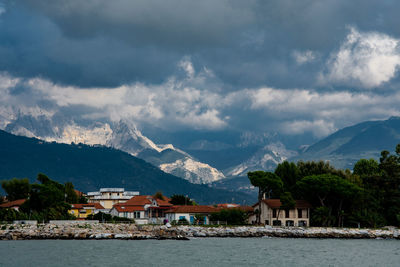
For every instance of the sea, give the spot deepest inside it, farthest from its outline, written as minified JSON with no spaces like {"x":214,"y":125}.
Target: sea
{"x":204,"y":252}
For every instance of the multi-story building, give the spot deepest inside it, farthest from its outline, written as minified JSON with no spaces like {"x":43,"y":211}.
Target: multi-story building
{"x":273,"y":214}
{"x":107,"y":197}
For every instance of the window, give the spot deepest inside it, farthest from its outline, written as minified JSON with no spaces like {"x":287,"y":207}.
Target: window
{"x":136,"y":214}
{"x":266,"y":222}
{"x":299,"y":213}
{"x":302,"y":223}
{"x":289,"y":223}
{"x":287,"y":213}
{"x":274,"y":213}
{"x":277,"y":223}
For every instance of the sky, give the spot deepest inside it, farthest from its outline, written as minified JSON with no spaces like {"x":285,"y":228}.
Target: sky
{"x":294,"y":67}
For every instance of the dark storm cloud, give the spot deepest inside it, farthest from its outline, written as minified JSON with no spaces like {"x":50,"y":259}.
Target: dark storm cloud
{"x":293,"y":66}
{"x":246,"y":44}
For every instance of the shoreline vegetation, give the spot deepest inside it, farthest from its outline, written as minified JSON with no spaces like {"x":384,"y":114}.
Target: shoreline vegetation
{"x":97,"y":231}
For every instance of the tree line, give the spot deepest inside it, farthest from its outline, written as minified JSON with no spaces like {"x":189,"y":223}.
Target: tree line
{"x":45,"y":199}
{"x":367,"y":197}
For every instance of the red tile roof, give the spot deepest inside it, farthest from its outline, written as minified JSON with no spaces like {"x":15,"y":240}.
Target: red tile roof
{"x":15,"y":203}
{"x":276,"y":203}
{"x":79,"y":193}
{"x":95,"y":205}
{"x":164,"y":202}
{"x":192,"y":209}
{"x":138,"y":201}
{"x":143,"y":200}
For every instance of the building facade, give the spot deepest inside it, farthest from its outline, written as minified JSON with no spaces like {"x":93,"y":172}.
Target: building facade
{"x":143,"y":209}
{"x":81,"y":211}
{"x":108,"y":197}
{"x":272,"y":214}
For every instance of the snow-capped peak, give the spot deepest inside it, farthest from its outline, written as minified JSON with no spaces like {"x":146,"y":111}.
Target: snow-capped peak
{"x":127,"y":137}
{"x":265,"y":159}
{"x":194,"y":171}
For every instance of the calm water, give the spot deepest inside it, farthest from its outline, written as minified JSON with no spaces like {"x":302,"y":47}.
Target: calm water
{"x":201,"y":252}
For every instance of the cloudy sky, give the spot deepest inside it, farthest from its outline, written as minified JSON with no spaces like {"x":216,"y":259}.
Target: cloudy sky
{"x":296,"y":67}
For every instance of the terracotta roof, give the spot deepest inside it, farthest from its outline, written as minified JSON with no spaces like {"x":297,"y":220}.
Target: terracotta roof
{"x":79,"y":193}
{"x":145,"y":199}
{"x":165,"y":202}
{"x":192,"y":209}
{"x":276,"y":203}
{"x":139,"y":201}
{"x":15,"y":203}
{"x":95,"y":205}
{"x":123,"y":208}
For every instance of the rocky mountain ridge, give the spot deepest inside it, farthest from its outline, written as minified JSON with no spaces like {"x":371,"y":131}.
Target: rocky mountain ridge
{"x":123,"y":135}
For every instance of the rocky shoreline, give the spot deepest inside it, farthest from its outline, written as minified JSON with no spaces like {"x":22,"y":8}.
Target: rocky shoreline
{"x":141,"y":232}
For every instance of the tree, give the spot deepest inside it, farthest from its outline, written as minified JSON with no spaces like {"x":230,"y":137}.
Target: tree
{"x":267,"y":182}
{"x":70,"y":195}
{"x":158,"y":195}
{"x":390,"y":167}
{"x":366,"y":167}
{"x":82,"y":200}
{"x":16,"y":188}
{"x":181,"y":200}
{"x":231,"y":216}
{"x":329,"y":191}
{"x":289,"y":173}
{"x":47,"y":200}
{"x":368,"y":208}
{"x":309,"y":168}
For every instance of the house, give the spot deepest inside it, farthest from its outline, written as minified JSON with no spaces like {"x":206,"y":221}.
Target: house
{"x":143,"y":209}
{"x":271,"y":214}
{"x":81,"y":211}
{"x":108,"y":197}
{"x":191,"y":213}
{"x":13,"y":204}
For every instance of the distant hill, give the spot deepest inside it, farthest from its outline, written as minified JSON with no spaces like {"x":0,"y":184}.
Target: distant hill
{"x":364,"y":140}
{"x":92,"y":167}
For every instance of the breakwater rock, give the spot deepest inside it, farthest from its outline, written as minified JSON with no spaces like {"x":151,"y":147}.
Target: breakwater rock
{"x":132,"y":231}
{"x":291,"y":232}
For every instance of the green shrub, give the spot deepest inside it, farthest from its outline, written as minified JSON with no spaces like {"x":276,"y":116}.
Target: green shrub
{"x":231,"y":216}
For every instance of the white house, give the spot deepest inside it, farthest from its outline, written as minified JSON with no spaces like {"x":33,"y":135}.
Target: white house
{"x":143,"y":209}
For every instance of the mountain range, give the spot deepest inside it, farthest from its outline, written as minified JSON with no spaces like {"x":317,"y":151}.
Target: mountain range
{"x":90,"y":167}
{"x":211,"y":157}
{"x":122,"y":135}
{"x":363,"y":140}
